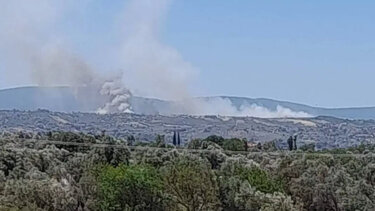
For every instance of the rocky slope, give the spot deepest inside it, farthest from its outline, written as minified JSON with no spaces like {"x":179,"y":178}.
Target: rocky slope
{"x":325,"y":132}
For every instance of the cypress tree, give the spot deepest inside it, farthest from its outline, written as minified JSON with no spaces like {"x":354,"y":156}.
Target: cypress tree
{"x":290,"y":143}
{"x":178,"y":139}
{"x":246,"y":146}
{"x":174,"y":138}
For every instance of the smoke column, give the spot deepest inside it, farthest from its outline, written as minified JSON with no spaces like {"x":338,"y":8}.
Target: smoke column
{"x":30,"y":44}
{"x":158,"y":70}
{"x":118,"y":98}
{"x":153,"y":68}
{"x":33,"y":50}
{"x":223,"y":106}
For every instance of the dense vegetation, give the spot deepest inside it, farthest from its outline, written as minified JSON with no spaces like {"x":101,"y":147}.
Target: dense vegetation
{"x":204,"y":176}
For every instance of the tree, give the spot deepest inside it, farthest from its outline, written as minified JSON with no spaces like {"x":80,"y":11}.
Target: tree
{"x":290,"y":143}
{"x":174,"y":138}
{"x":295,"y":142}
{"x":191,"y":185}
{"x":270,"y":146}
{"x":308,"y":147}
{"x":215,"y":139}
{"x":134,"y":187}
{"x":159,"y":141}
{"x":178,"y":139}
{"x":195,"y":144}
{"x":245,"y":186}
{"x":233,"y":144}
{"x":131,"y":140}
{"x":245,"y":144}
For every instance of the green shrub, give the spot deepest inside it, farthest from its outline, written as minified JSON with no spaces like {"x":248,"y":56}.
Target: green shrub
{"x":135,"y":187}
{"x":191,"y":185}
{"x":259,"y":179}
{"x":195,"y":144}
{"x":234,"y":144}
{"x":215,"y":139}
{"x":308,"y":147}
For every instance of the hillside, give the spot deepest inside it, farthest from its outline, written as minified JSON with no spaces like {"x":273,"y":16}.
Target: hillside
{"x":65,"y":99}
{"x":325,"y":132}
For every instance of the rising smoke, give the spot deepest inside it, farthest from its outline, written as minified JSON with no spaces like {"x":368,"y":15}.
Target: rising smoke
{"x":28,"y":37}
{"x":225,"y":107}
{"x":152,"y":67}
{"x":34,"y":50}
{"x":118,"y":98}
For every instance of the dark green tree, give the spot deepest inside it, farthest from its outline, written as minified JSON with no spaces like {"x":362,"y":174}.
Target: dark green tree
{"x":178,"y":139}
{"x":174,"y":138}
{"x":290,"y":143}
{"x":135,"y":187}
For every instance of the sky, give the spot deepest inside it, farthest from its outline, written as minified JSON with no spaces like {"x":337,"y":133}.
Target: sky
{"x":320,"y":53}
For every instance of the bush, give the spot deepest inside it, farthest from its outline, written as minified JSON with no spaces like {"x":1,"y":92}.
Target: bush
{"x":234,"y":144}
{"x":244,"y":186}
{"x":259,"y":179}
{"x":215,"y":139}
{"x":191,"y":185}
{"x":308,"y":147}
{"x":195,"y":144}
{"x":134,"y":187}
{"x":45,"y":177}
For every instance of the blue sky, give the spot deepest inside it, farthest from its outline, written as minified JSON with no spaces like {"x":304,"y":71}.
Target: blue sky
{"x":315,"y":52}
{"x":321,"y":53}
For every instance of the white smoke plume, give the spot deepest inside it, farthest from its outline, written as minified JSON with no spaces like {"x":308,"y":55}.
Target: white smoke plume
{"x":118,"y":98}
{"x":224,"y":107}
{"x":33,"y":51}
{"x":158,"y":70}
{"x":153,"y":68}
{"x":31,"y":45}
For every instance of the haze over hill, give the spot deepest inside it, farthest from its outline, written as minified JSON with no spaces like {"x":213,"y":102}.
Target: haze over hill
{"x":141,"y":63}
{"x":67,"y":99}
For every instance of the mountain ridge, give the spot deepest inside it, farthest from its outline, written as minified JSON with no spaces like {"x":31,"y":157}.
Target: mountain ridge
{"x":63,"y":99}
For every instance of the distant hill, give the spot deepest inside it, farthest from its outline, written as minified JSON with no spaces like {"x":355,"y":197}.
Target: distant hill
{"x":64,"y":99}
{"x":349,"y":113}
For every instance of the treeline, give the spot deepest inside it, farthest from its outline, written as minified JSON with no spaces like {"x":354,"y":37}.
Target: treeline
{"x":229,"y":144}
{"x":63,"y":177}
